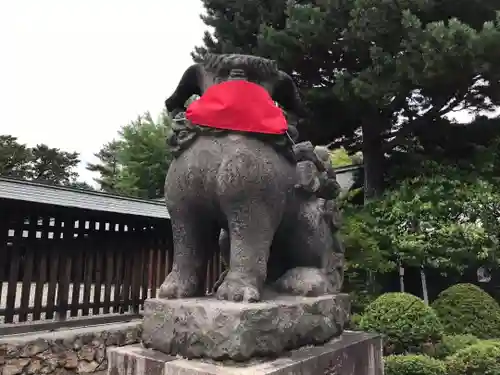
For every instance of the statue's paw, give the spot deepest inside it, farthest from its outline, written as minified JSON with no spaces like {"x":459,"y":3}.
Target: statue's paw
{"x":237,"y":288}
{"x":301,"y":281}
{"x":178,"y":286}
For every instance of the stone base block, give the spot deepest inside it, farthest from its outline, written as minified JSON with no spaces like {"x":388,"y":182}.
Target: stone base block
{"x":354,"y":353}
{"x":210,"y":328}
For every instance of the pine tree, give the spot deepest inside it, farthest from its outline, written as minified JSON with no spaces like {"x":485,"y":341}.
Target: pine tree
{"x":108,"y":166}
{"x":373,"y":72}
{"x":14,"y":158}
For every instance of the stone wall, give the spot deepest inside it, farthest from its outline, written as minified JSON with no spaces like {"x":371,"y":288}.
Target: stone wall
{"x":75,"y":351}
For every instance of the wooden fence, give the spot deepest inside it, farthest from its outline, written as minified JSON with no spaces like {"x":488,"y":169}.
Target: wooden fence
{"x":58,"y":267}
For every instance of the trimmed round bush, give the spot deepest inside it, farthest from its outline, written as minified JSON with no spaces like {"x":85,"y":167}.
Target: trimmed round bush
{"x":450,"y":344}
{"x":467,"y":309}
{"x":413,"y":365}
{"x":480,"y":359}
{"x":404,"y":320}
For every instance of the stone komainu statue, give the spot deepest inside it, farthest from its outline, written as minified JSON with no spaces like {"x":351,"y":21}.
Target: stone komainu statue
{"x":272,"y":199}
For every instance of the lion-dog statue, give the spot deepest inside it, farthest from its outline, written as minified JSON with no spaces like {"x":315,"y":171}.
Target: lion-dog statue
{"x":266,"y":201}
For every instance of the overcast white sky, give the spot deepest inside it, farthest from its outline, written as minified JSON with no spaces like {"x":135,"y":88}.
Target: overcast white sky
{"x":73,"y":71}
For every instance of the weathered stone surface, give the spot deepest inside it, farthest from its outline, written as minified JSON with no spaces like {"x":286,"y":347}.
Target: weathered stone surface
{"x":271,"y":194}
{"x":140,"y":361}
{"x":354,"y":353}
{"x":71,"y":360}
{"x":76,"y":351}
{"x":211,"y":328}
{"x":15,"y":366}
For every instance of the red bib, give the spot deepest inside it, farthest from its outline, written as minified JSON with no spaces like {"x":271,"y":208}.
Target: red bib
{"x":238,"y":105}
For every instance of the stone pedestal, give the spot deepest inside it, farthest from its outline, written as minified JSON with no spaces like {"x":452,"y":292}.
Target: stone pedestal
{"x":354,"y":353}
{"x":209,"y":328}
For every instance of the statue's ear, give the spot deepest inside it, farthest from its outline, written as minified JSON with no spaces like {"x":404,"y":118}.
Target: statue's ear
{"x":189,"y":85}
{"x":286,"y":93}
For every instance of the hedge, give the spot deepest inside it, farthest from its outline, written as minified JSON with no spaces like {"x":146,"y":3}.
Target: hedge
{"x":480,"y":359}
{"x":467,"y":309}
{"x":404,"y":320}
{"x":450,"y":344}
{"x":413,"y":365}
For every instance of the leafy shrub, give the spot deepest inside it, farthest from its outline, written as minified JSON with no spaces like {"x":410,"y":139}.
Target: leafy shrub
{"x":354,"y":322}
{"x":405,"y":320}
{"x":490,"y":341}
{"x":480,"y":359}
{"x":365,"y":261}
{"x":467,"y":309}
{"x":360,"y":299}
{"x":450,"y":344}
{"x":340,"y":158}
{"x":413,"y":365}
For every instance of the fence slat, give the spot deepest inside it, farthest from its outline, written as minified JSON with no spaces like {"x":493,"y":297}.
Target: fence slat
{"x":128,"y":269}
{"x":53,"y":278}
{"x":110,"y":258}
{"x":53,"y":264}
{"x":78,"y":270}
{"x":4,"y":246}
{"x":87,"y":279}
{"x":163,"y":261}
{"x":78,"y":266}
{"x":97,"y":281}
{"x":145,"y":272}
{"x":12,"y":284}
{"x":136,"y":281}
{"x":34,"y":236}
{"x":29,"y":260}
{"x":64,"y":281}
{"x":118,"y":280}
{"x":40,"y":284}
{"x":152,"y":270}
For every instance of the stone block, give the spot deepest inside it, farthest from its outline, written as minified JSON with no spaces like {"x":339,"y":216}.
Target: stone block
{"x":210,"y":328}
{"x":354,"y":353}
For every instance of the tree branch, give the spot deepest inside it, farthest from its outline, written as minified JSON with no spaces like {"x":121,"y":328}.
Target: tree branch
{"x":444,"y":107}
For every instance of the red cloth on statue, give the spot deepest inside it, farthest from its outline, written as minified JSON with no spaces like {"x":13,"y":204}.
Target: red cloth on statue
{"x":238,"y":105}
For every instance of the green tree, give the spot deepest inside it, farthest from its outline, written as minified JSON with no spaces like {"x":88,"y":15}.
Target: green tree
{"x":109,"y":168}
{"x":51,"y":165}
{"x":14,"y":158}
{"x":81,"y":185}
{"x":445,"y":219}
{"x":368,"y":255}
{"x":237,"y":24}
{"x":474,"y":148}
{"x":394,"y":71}
{"x":40,"y":163}
{"x":144,"y":156}
{"x":137,"y":163}
{"x":389,"y":68}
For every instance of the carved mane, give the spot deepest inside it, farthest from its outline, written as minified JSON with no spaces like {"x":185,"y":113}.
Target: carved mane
{"x":255,"y":67}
